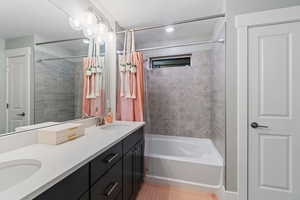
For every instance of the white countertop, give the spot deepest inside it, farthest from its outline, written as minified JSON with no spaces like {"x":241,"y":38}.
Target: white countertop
{"x":62,"y":160}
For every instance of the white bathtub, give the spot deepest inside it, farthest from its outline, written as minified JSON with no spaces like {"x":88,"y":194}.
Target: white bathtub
{"x":184,"y":161}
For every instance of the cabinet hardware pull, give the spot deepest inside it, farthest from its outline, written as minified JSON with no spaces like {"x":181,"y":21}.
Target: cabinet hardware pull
{"x":111,"y":189}
{"x":111,"y":157}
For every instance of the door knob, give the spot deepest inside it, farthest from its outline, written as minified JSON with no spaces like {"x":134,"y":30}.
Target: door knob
{"x":21,"y":114}
{"x":256,"y":125}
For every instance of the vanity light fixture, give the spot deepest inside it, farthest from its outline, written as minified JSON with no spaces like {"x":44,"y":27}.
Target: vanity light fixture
{"x":102,"y":28}
{"x":89,"y":32}
{"x":75,"y":24}
{"x":90,"y":19}
{"x":93,"y":26}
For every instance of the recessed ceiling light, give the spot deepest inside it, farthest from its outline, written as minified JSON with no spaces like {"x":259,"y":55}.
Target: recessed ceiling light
{"x":170,"y":29}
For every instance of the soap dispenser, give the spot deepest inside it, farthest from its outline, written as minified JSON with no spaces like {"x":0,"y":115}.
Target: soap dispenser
{"x":109,"y":117}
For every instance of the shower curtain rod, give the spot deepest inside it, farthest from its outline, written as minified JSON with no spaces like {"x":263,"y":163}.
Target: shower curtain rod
{"x":180,"y":45}
{"x":222,"y":15}
{"x":64,"y":58}
{"x":59,"y":41}
{"x":144,"y":49}
{"x":60,"y":58}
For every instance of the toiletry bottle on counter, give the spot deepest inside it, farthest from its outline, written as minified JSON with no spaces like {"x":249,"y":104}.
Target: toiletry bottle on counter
{"x":109,"y":117}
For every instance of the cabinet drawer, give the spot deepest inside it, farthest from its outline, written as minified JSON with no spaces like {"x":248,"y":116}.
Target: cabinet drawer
{"x":132,"y":139}
{"x":109,"y":186}
{"x":71,"y":188}
{"x":105,"y":161}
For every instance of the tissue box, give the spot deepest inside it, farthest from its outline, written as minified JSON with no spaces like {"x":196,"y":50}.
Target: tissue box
{"x":61,"y":133}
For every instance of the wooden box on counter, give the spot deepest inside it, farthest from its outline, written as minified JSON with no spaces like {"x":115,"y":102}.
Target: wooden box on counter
{"x":60,"y":133}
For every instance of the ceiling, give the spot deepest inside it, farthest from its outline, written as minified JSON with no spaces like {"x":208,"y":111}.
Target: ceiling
{"x":184,"y":33}
{"x":142,"y":13}
{"x":139,"y":13}
{"x":39,"y":17}
{"x":33,"y":17}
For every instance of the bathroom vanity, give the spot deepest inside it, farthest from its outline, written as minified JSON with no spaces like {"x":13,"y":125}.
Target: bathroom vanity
{"x":107,"y":163}
{"x":115,"y":174}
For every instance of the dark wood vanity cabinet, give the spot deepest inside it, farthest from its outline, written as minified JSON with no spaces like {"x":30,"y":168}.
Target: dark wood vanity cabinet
{"x":133,"y":171}
{"x":138,"y":165}
{"x":110,"y":185}
{"x":116,"y":174}
{"x":72,"y":187}
{"x":133,"y":164}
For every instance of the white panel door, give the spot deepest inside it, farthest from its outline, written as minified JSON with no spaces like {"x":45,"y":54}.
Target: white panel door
{"x":2,"y":89}
{"x":17,"y":88}
{"x":274,"y":112}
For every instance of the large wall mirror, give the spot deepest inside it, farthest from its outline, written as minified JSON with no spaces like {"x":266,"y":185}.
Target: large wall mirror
{"x":41,"y":66}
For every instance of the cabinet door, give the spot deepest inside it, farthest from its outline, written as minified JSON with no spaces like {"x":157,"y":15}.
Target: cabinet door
{"x":110,"y":185}
{"x":138,"y":164}
{"x":133,"y":171}
{"x":128,"y":175}
{"x":70,"y":188}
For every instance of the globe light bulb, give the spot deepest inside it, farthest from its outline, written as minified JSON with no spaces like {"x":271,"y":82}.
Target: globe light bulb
{"x":102,"y":28}
{"x":90,"y":19}
{"x":89,"y":32}
{"x":75,"y":24}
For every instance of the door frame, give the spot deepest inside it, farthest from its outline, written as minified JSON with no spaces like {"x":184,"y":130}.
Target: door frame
{"x":242,"y":24}
{"x":26,"y":51}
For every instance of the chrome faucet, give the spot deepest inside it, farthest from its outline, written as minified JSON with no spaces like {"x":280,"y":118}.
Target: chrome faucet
{"x":100,"y":121}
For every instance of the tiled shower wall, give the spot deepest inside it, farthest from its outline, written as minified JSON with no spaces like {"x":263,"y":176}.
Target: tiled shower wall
{"x":189,"y":101}
{"x":56,"y":91}
{"x":179,"y":99}
{"x":78,"y":89}
{"x":218,"y":98}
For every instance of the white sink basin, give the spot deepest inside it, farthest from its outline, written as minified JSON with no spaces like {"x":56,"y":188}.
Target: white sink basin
{"x":16,"y":171}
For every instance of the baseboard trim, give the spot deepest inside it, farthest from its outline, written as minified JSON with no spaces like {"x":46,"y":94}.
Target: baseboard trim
{"x":222,"y":194}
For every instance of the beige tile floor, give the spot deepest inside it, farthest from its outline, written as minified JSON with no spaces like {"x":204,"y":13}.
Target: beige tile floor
{"x":159,"y":192}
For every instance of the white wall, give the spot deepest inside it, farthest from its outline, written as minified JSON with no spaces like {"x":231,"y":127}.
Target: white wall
{"x":2,"y":87}
{"x":233,"y":8}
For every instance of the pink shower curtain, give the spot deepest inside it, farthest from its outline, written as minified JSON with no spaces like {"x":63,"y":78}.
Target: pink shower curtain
{"x":86,"y":103}
{"x":132,"y":109}
{"x":94,"y":107}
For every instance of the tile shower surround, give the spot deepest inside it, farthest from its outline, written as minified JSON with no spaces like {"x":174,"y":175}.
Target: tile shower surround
{"x":218,"y":98}
{"x":189,"y":101}
{"x":57,"y":92}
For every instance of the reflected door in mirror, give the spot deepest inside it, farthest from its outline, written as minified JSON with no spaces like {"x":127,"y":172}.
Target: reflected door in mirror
{"x":18,"y":85}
